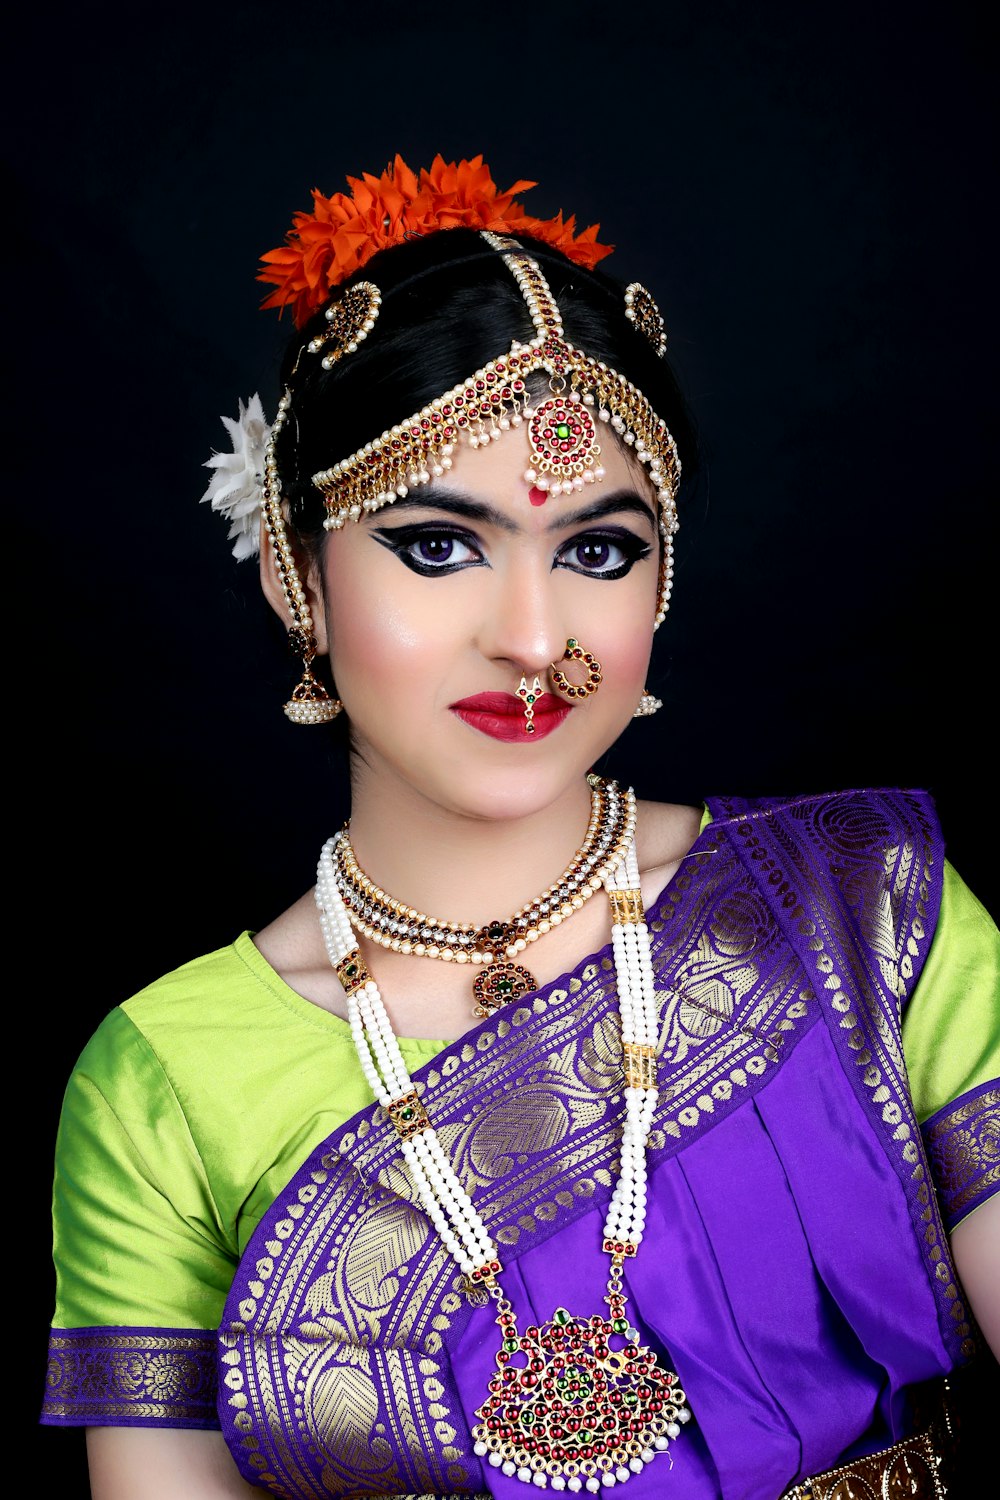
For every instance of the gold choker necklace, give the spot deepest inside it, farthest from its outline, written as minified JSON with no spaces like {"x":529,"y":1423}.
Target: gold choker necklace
{"x":496,"y":945}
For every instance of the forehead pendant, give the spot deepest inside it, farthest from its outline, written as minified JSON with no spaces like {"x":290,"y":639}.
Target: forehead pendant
{"x":564,"y":447}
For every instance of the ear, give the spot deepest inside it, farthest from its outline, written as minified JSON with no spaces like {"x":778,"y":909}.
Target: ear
{"x":309,"y":577}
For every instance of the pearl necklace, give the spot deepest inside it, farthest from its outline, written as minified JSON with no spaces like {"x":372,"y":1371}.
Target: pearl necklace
{"x":496,"y":944}
{"x":577,"y":1402}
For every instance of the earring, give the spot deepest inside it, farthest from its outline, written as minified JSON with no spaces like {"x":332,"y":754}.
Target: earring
{"x":647,"y":705}
{"x":310,"y":702}
{"x":529,"y":697}
{"x":575,"y":652}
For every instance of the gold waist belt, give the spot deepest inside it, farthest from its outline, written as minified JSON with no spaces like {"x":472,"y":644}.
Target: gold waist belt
{"x":913,"y":1468}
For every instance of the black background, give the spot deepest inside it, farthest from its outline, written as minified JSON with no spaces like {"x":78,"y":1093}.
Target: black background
{"x":807,"y":190}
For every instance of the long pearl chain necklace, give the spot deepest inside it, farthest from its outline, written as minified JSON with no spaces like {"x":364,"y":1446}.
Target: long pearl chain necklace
{"x":496,"y":945}
{"x":576,"y":1402}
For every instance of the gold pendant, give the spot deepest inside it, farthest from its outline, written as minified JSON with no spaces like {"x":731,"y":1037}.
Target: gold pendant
{"x":498,"y":983}
{"x":574,"y":1400}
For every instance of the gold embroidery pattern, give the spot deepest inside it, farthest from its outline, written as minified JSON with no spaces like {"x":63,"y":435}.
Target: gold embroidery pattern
{"x":963,"y":1143}
{"x":145,"y":1376}
{"x":911,"y":1468}
{"x":849,"y":826}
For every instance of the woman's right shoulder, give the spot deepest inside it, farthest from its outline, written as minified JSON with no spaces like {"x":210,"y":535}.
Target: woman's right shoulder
{"x":197,"y":997}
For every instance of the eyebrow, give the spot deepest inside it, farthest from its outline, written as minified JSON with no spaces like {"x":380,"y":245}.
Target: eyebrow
{"x":460,"y":504}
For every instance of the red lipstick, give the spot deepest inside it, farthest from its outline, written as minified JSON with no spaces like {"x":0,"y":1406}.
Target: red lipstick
{"x":501,"y":715}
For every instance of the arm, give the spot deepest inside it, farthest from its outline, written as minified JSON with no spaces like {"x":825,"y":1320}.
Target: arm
{"x":162,"y":1463}
{"x":975,"y":1246}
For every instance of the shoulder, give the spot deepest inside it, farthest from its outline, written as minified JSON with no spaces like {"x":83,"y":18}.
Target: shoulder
{"x":181,"y":1011}
{"x":665,"y":832}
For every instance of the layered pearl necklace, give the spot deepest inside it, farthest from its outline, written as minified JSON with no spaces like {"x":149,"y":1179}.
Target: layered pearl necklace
{"x":496,"y":944}
{"x":577,"y":1402}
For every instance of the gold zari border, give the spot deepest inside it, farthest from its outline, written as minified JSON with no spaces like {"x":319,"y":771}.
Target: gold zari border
{"x":911,"y":1467}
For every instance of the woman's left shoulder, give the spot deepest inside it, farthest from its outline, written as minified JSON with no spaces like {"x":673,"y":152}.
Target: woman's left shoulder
{"x":665,"y":832}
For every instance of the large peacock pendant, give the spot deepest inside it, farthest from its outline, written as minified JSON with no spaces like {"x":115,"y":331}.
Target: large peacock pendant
{"x":576,"y":1403}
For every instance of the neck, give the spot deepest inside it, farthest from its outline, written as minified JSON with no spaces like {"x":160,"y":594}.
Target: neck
{"x":460,"y":867}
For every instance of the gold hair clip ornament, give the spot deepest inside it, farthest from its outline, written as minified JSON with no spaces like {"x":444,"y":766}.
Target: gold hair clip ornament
{"x":641,"y":309}
{"x":351,"y":319}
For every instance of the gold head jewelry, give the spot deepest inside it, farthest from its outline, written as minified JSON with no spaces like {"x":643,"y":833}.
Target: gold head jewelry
{"x":562,"y":429}
{"x":351,"y":319}
{"x":576,"y":653}
{"x":641,"y":309}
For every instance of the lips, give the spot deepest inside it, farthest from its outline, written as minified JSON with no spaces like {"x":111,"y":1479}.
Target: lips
{"x":501,"y":716}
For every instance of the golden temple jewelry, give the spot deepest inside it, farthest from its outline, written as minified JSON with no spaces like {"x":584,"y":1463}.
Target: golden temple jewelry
{"x":562,"y":433}
{"x":641,"y":309}
{"x":648,"y":704}
{"x":310,"y":702}
{"x":575,"y":652}
{"x":496,"y":945}
{"x":529,"y":696}
{"x":574,"y":1402}
{"x":351,"y":319}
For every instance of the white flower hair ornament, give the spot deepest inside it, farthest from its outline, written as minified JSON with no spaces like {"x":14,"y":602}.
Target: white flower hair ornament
{"x":236,"y":489}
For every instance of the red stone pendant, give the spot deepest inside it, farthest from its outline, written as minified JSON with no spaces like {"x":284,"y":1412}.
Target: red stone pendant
{"x":498,"y":983}
{"x":576,"y":1404}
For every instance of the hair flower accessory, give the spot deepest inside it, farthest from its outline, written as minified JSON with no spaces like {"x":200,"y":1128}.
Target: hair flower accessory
{"x":343,"y":232}
{"x":236,"y":489}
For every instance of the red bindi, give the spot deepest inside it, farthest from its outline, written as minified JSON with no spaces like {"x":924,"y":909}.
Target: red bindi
{"x":537,"y":496}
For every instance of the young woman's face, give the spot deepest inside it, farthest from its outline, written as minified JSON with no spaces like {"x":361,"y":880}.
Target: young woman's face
{"x":465,"y":587}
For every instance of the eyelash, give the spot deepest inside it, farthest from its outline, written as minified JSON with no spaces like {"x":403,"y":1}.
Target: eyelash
{"x":403,"y":540}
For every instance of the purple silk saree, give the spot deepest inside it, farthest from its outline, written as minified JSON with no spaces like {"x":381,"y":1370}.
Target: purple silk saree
{"x":794,"y":1270}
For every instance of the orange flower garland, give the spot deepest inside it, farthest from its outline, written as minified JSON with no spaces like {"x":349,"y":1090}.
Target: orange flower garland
{"x":343,"y":232}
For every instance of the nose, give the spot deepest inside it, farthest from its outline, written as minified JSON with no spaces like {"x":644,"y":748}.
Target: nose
{"x":521,"y":617}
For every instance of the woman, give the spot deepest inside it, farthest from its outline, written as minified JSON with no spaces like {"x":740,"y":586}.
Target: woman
{"x":552,"y":1139}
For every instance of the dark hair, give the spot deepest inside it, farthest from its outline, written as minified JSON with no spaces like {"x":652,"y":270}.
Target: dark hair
{"x":449,"y":306}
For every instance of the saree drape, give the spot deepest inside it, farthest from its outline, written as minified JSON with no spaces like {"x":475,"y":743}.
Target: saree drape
{"x":795,"y":1268}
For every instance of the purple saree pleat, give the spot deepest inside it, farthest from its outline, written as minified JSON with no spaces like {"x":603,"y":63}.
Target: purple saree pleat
{"x":794,"y":1270}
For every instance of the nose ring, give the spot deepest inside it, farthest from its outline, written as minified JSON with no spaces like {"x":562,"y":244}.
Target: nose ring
{"x":575,"y":652}
{"x":529,"y":696}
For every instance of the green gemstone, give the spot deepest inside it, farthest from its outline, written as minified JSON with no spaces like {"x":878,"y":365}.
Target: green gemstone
{"x":620,"y":1325}
{"x":531,"y":698}
{"x":406,"y":1114}
{"x":511,"y":1346}
{"x":571,"y":643}
{"x":561,"y":1316}
{"x":504,"y":986}
{"x":562,"y":430}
